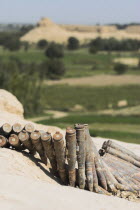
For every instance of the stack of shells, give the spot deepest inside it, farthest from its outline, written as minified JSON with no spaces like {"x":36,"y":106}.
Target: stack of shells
{"x":113,"y":170}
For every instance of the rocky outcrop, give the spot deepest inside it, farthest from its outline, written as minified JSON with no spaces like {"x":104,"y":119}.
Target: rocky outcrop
{"x":10,"y":104}
{"x":11,"y":111}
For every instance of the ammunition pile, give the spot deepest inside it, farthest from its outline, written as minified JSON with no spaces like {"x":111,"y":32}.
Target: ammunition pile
{"x":113,"y":170}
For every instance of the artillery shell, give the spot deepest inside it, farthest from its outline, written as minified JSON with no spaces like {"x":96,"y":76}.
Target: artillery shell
{"x":134,"y":183}
{"x":129,"y":182}
{"x":17,"y":128}
{"x":103,"y":191}
{"x":122,"y":156}
{"x":136,"y":176}
{"x":120,"y":164}
{"x":122,"y":149}
{"x":100,"y":174}
{"x":5,"y":129}
{"x":115,"y":170}
{"x":24,"y":138}
{"x":15,"y":142}
{"x":47,"y":143}
{"x":130,"y":195}
{"x":105,"y":145}
{"x":112,"y":178}
{"x":124,"y":183}
{"x":80,"y":135}
{"x":109,"y":179}
{"x":29,"y":128}
{"x":95,"y":179}
{"x":98,"y":162}
{"x":101,"y":152}
{"x":89,"y":159}
{"x":3,"y":141}
{"x":35,"y":138}
{"x":60,"y":155}
{"x":71,"y":156}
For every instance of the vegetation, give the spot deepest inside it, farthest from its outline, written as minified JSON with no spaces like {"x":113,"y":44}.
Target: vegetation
{"x":78,"y":63}
{"x":93,"y":118}
{"x":91,"y":98}
{"x":11,"y":39}
{"x":55,"y":51}
{"x":73,"y":43}
{"x":111,"y":44}
{"x":23,"y":82}
{"x":42,"y":44}
{"x":124,"y":26}
{"x":101,"y":125}
{"x":120,"y":68}
{"x":23,"y":73}
{"x":56,"y":69}
{"x":92,"y":49}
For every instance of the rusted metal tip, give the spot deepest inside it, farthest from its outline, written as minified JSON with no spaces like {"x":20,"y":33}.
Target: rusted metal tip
{"x":109,"y":142}
{"x":7,"y":127}
{"x":29,"y":127}
{"x":35,"y":135}
{"x":3,"y":141}
{"x":57,"y":136}
{"x":45,"y":136}
{"x":13,"y":139}
{"x":105,"y":144}
{"x":79,"y":126}
{"x":70,"y":130}
{"x":17,"y":127}
{"x":101,"y":152}
{"x":107,"y":149}
{"x":23,"y":136}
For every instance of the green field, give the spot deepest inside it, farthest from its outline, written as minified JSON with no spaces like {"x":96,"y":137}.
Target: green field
{"x":78,"y":63}
{"x":93,"y":99}
{"x":64,"y":97}
{"x":81,"y":63}
{"x":119,"y":127}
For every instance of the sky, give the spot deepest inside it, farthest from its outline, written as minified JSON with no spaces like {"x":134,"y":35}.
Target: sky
{"x":70,"y":11}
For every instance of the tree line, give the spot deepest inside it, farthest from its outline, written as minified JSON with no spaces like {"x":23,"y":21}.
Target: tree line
{"x":113,"y":44}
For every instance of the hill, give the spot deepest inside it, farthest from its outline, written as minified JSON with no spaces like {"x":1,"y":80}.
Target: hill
{"x":50,"y":31}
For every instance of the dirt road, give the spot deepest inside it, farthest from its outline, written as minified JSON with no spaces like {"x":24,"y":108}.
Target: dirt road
{"x":100,"y":80}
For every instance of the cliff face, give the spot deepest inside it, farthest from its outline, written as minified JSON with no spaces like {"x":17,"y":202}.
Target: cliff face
{"x":50,"y":31}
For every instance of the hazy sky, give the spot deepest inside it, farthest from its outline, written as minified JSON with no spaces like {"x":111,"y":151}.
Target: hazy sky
{"x":70,"y":11}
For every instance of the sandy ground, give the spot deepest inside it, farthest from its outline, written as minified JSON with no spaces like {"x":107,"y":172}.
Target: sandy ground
{"x":100,"y":80}
{"x":27,"y":184}
{"x":127,"y":61}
